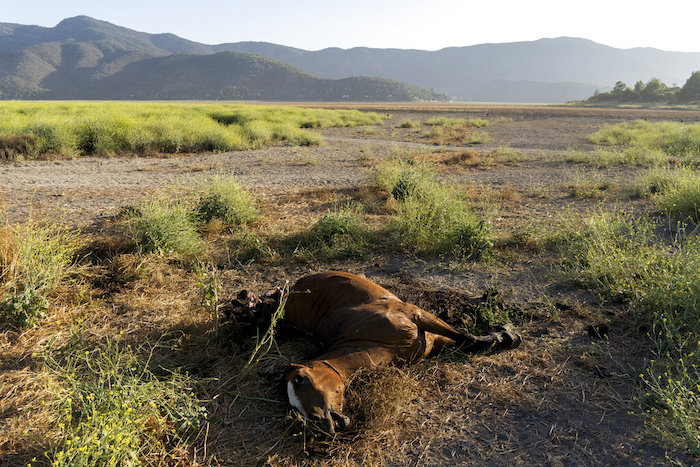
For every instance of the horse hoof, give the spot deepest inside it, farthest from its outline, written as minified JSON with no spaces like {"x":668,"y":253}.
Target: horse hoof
{"x":508,"y":337}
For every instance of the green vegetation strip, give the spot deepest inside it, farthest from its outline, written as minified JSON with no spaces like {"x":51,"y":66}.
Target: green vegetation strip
{"x":68,"y":129}
{"x":676,"y":140}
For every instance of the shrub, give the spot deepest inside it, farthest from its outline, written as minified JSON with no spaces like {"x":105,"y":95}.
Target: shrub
{"x":34,"y":258}
{"x":163,"y":226}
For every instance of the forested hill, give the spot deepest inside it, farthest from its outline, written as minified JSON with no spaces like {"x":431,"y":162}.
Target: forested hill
{"x":83,"y":58}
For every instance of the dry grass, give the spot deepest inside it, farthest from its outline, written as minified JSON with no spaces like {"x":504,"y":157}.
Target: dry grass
{"x":510,"y":193}
{"x":561,"y":398}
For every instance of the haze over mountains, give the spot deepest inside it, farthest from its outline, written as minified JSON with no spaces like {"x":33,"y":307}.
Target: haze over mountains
{"x":84,"y":58}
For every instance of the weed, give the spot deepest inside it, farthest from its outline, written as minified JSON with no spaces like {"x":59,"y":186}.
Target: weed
{"x":409,"y":124}
{"x":209,"y":284}
{"x":681,"y":200}
{"x":624,"y":258}
{"x":402,"y":171}
{"x":444,"y":130}
{"x":674,"y":139}
{"x":307,"y":158}
{"x":674,"y":190}
{"x":111,"y":410}
{"x":249,"y":247}
{"x":34,"y":258}
{"x":457,"y":122}
{"x":588,"y":184}
{"x":635,"y":155}
{"x":432,"y":217}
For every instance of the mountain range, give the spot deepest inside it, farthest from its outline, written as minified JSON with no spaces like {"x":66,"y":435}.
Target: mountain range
{"x":85,"y":58}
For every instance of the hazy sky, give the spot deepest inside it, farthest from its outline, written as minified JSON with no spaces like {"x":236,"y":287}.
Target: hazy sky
{"x":419,"y":24}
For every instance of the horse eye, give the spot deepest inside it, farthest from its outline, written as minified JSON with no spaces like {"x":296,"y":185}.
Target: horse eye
{"x":300,"y":380}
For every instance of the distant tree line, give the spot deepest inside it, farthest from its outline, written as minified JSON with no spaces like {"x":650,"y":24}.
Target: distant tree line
{"x":652,"y":91}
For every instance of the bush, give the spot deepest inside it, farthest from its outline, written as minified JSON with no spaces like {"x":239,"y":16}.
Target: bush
{"x":34,"y":258}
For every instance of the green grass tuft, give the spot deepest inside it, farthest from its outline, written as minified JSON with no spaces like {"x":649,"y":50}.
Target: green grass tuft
{"x":223,"y":198}
{"x":164,"y":226}
{"x":432,"y":217}
{"x":341,"y":233}
{"x":409,"y":124}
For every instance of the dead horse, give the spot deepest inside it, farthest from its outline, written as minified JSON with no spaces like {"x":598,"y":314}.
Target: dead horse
{"x":362,"y":325}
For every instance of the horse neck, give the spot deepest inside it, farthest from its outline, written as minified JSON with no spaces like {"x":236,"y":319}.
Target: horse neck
{"x":347,"y":360}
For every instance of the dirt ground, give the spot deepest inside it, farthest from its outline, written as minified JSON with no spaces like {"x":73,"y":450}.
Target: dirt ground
{"x":562,"y":398}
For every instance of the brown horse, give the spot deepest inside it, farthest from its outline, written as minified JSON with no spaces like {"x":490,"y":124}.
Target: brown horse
{"x":362,"y":325}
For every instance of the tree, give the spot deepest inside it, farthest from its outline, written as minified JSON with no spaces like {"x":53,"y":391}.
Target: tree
{"x":691,"y":89}
{"x":654,"y":90}
{"x":619,"y":88}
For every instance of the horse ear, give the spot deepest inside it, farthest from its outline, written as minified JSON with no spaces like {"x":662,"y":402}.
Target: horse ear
{"x":283,"y":371}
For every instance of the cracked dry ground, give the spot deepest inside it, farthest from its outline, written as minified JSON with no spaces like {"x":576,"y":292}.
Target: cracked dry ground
{"x":560,"y":399}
